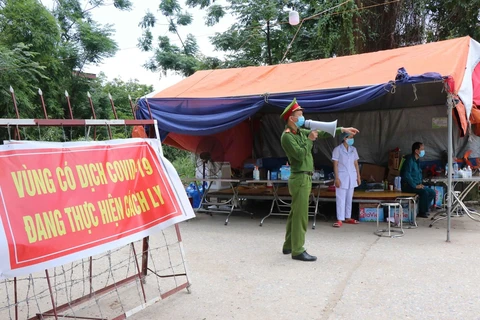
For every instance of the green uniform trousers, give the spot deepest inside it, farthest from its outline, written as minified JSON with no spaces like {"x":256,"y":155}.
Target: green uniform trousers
{"x":299,"y":187}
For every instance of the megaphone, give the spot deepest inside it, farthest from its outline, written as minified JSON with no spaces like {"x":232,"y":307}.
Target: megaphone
{"x":329,"y":127}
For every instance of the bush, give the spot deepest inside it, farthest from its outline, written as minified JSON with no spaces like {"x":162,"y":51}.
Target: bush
{"x":185,"y":166}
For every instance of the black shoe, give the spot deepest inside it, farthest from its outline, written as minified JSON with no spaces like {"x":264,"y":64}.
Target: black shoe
{"x":422,"y":215}
{"x":286,"y":251}
{"x":304,"y":256}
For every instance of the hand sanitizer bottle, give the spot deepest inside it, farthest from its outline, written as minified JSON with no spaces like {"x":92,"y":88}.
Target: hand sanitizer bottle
{"x":256,"y":174}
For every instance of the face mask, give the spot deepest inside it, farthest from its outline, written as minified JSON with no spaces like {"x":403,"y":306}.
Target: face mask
{"x":422,"y":153}
{"x":300,"y":121}
{"x":350,"y":141}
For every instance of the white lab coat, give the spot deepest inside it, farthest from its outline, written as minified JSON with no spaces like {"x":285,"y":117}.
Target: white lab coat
{"x":347,"y":173}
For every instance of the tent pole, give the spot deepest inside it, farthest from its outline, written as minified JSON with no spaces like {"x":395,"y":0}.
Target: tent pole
{"x":450,"y":158}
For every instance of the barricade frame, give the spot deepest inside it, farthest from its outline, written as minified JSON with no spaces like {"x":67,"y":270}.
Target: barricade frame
{"x":142,"y":268}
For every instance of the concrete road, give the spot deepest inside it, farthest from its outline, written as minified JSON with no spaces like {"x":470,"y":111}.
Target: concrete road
{"x":238,"y":272}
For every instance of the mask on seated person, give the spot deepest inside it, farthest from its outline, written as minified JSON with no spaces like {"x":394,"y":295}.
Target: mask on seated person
{"x":350,"y":141}
{"x":422,"y":153}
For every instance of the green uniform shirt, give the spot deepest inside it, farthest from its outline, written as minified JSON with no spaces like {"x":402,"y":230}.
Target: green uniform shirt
{"x":298,"y":147}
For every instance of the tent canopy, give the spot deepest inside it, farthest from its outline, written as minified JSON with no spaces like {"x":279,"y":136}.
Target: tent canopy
{"x":223,"y":102}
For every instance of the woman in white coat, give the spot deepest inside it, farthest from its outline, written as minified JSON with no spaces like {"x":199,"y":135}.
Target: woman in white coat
{"x":347,"y":177}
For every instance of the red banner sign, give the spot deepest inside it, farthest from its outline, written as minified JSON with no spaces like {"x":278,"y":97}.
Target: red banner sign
{"x":60,"y":201}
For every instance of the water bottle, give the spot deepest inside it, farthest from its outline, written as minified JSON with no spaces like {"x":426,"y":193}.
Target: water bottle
{"x":256,"y":174}
{"x":469,"y":172}
{"x":269,"y":184}
{"x":455,"y":169}
{"x":322,"y":174}
{"x":446,"y":170}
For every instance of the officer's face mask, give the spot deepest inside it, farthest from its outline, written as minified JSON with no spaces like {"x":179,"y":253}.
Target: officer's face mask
{"x":350,"y":141}
{"x":300,"y":121}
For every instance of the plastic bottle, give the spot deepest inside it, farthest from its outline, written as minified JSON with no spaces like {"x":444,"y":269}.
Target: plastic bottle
{"x":446,"y":170}
{"x":256,"y":174}
{"x":469,"y":172}
{"x":455,"y":169}
{"x":269,"y":184}
{"x":322,"y":174}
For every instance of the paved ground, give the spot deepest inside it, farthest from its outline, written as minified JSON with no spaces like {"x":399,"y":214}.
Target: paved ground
{"x":238,"y":272}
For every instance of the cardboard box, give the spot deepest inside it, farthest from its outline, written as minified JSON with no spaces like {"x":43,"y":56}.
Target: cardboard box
{"x":407,"y":214}
{"x":394,"y":159}
{"x":368,"y":212}
{"x":438,"y":195}
{"x":372,"y":173}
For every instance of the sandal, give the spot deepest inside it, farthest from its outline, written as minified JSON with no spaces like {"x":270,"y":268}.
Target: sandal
{"x":337,"y":224}
{"x":352,"y":221}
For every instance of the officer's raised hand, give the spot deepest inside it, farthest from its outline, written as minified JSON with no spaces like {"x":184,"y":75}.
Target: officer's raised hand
{"x":313,"y":135}
{"x":351,"y":130}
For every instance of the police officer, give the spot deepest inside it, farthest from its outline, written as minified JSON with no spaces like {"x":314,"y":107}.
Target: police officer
{"x":297,"y":144}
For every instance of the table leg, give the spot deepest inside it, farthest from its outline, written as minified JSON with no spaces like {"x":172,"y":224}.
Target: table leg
{"x":458,"y":202}
{"x":317,"y":201}
{"x":274,"y":202}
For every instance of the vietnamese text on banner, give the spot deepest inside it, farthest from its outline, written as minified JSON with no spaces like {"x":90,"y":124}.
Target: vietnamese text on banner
{"x":61,"y":202}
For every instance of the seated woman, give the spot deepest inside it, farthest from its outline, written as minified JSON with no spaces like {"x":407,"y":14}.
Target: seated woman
{"x":412,"y":179}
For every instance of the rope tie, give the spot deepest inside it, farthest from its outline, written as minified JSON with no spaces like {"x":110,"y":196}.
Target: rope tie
{"x":265,"y":96}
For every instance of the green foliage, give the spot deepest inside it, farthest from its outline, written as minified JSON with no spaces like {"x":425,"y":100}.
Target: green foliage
{"x":168,"y":56}
{"x":260,"y":33}
{"x":96,"y":42}
{"x":172,"y":153}
{"x":214,"y":14}
{"x":185,"y":167}
{"x":183,"y":161}
{"x":453,"y":18}
{"x":19,"y":70}
{"x":169,"y":7}
{"x":48,"y":50}
{"x":184,"y":60}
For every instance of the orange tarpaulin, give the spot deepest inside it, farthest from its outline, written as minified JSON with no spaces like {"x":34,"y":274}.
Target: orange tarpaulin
{"x":447,"y":58}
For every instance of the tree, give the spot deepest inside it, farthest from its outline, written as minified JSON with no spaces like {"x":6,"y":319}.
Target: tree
{"x":452,"y":18}
{"x":17,"y":69}
{"x":49,"y":50}
{"x":62,"y":43}
{"x":261,"y":35}
{"x":183,"y":60}
{"x":120,"y":92}
{"x":83,"y":42}
{"x":32,"y":32}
